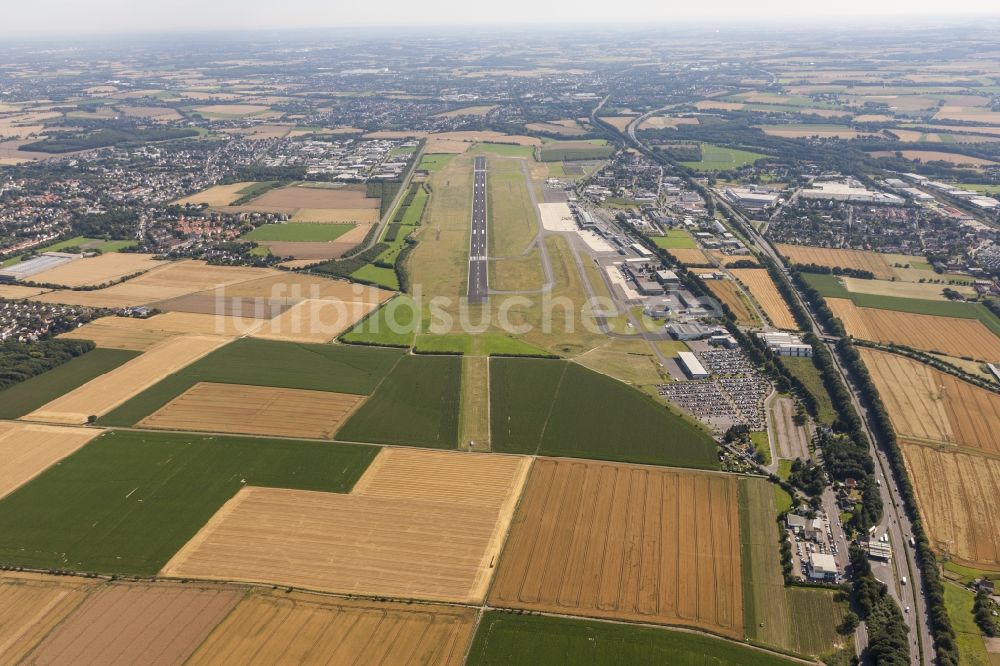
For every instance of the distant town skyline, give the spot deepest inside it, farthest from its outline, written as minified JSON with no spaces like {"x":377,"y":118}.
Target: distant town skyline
{"x":105,"y":16}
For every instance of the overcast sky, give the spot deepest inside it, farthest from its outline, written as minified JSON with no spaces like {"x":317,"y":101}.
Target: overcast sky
{"x":80,"y":16}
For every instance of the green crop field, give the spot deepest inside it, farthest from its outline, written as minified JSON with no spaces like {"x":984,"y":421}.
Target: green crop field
{"x":558,"y":151}
{"x":377,"y":275}
{"x":807,"y":373}
{"x":417,"y":404}
{"x":392,"y":325}
{"x":127,"y":501}
{"x":971,"y":647}
{"x":718,"y":158}
{"x":558,"y":408}
{"x":337,"y":368}
{"x":434,"y":161}
{"x":298,"y":232}
{"x":31,"y":394}
{"x":511,"y":640}
{"x":802,"y":620}
{"x":504,"y":149}
{"x":826,"y":284}
{"x":486,"y":344}
{"x":676,"y":239}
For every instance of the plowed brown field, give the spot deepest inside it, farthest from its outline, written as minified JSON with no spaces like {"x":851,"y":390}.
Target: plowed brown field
{"x":95,"y":271}
{"x":626,"y":542}
{"x":925,"y":403}
{"x":101,"y":395}
{"x":137,"y":624}
{"x":952,"y":336}
{"x":27,"y":449}
{"x":254,"y":410}
{"x":276,"y":627}
{"x":727,"y":292}
{"x":959,"y":498}
{"x":861,"y":260}
{"x":30,"y":606}
{"x":763,"y":289}
{"x":421,"y":524}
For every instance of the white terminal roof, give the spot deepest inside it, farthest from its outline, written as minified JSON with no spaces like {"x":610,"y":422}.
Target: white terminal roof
{"x":693,"y":365}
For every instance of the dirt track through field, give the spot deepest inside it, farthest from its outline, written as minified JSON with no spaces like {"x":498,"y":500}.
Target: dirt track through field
{"x":137,"y":624}
{"x":254,"y":410}
{"x":625,"y":542}
{"x":276,"y":627}
{"x":27,"y":449}
{"x":419,"y":524}
{"x":959,"y":498}
{"x":101,"y":395}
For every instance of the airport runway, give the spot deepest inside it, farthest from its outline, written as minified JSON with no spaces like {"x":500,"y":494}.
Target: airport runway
{"x":478,"y":287}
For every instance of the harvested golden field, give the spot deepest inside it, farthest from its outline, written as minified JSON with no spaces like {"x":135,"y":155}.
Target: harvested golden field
{"x":94,"y":271}
{"x":158,"y":113}
{"x":233,"y":109}
{"x":690,"y":256}
{"x":28,"y":449}
{"x":959,"y":498}
{"x":727,"y":259}
{"x":420,"y":524}
{"x":618,"y":122}
{"x":133,"y":623}
{"x":254,"y":410}
{"x":626,"y":542}
{"x":314,"y":320}
{"x":924,"y":291}
{"x":292,"y":198}
{"x":13,"y":292}
{"x":277,"y":627}
{"x":861,"y":260}
{"x":804,"y":131}
{"x":142,"y":334}
{"x":31,"y":605}
{"x":220,"y":195}
{"x":952,"y":336}
{"x":479,"y":111}
{"x":717,"y":105}
{"x":937,"y":156}
{"x":292,"y":287}
{"x":968,"y":115}
{"x":101,"y":395}
{"x":564,"y":128}
{"x":764,"y":291}
{"x":170,"y":280}
{"x":727,"y":292}
{"x":924,"y":403}
{"x":663,"y":122}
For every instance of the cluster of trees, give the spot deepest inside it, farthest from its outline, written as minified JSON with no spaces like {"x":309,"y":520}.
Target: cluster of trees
{"x":115,"y":224}
{"x":887,"y":632}
{"x":826,"y":270}
{"x":983,"y":608}
{"x":67,"y":142}
{"x":20,"y":361}
{"x":810,"y":479}
{"x":397,"y":219}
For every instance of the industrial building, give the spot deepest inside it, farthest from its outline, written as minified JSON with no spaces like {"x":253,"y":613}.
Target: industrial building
{"x":822,"y":566}
{"x":752,"y":199}
{"x":849,"y":191}
{"x":691,"y":365}
{"x":786,"y":344}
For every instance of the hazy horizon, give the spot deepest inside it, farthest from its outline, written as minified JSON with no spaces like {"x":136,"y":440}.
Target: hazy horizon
{"x":120,"y":16}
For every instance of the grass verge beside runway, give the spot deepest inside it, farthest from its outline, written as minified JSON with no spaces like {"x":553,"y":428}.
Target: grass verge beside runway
{"x":127,"y":501}
{"x":509,"y":639}
{"x":558,"y":408}
{"x":341,"y":369}
{"x":29,"y":395}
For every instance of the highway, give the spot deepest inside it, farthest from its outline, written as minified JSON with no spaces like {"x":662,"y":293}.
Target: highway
{"x":478,"y":287}
{"x":895,"y":520}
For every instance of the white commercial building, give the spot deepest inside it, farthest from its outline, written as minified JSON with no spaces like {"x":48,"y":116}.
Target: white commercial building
{"x":751,"y":198}
{"x":848,"y":191}
{"x":692,"y":366}
{"x":822,"y":566}
{"x":786,"y":344}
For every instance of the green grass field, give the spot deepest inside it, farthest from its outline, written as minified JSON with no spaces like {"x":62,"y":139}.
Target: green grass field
{"x":718,"y":158}
{"x":971,"y":647}
{"x":377,"y":275}
{"x":504,"y":149}
{"x":828,"y":286}
{"x":557,"y":408}
{"x":338,"y":368}
{"x":808,"y":374}
{"x":486,"y":344}
{"x":31,"y":394}
{"x":417,"y":404}
{"x":298,"y":232}
{"x":434,"y":161}
{"x":676,"y":239}
{"x":392,"y":325}
{"x":512,"y":640}
{"x":127,"y":501}
{"x":557,"y":151}
{"x":802,"y":620}
{"x":762,"y":444}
